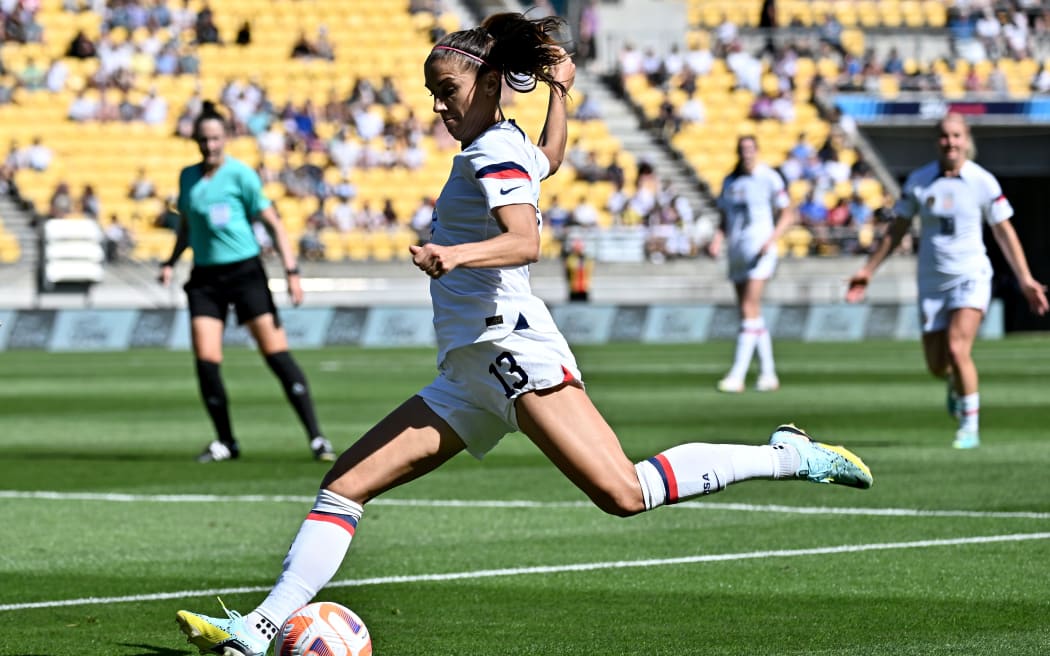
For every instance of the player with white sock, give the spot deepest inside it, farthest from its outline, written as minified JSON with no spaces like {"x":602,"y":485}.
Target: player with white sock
{"x":503,"y":364}
{"x":756,"y":212}
{"x":953,"y":197}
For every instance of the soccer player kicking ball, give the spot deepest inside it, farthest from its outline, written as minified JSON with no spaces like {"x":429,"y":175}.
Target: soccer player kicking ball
{"x":504,"y":366}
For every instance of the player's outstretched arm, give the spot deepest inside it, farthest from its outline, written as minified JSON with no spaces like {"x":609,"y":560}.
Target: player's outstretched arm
{"x":858,"y":282}
{"x":1034,"y":291}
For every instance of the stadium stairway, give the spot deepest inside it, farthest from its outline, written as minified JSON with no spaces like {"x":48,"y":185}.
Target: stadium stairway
{"x":623,"y":123}
{"x":19,"y":222}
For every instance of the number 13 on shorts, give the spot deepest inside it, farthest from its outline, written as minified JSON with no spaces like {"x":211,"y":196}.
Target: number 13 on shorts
{"x":509,"y":373}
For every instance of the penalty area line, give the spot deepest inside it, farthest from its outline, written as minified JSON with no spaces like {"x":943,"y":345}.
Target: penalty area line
{"x":548,"y":569}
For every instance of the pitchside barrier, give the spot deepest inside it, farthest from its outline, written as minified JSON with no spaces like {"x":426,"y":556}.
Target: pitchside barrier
{"x":316,"y":327}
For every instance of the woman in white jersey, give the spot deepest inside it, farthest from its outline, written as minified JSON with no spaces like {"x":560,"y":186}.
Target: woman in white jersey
{"x":953,"y":197}
{"x":503,"y":365}
{"x":755,"y":214}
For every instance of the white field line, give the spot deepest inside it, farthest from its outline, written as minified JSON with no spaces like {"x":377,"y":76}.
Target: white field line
{"x":547,"y":569}
{"x":454,"y":503}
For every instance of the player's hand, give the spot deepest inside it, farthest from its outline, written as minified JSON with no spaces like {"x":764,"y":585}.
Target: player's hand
{"x":166,"y":274}
{"x":714,"y":247}
{"x":858,"y":287}
{"x":295,"y":289}
{"x":1035,"y":293}
{"x":433,"y":260}
{"x":565,"y":70}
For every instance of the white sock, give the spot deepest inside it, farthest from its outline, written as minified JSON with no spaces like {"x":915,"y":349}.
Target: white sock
{"x":767,"y":366}
{"x":313,"y":559}
{"x":746,"y":340}
{"x":970,"y":405}
{"x":695,"y":469}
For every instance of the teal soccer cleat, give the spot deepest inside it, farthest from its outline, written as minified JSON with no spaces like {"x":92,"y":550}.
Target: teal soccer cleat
{"x":824,"y":463}
{"x":965,"y":439}
{"x":226,"y":637}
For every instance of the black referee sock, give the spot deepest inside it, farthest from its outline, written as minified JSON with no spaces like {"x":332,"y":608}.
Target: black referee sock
{"x":213,"y":393}
{"x":296,"y":389}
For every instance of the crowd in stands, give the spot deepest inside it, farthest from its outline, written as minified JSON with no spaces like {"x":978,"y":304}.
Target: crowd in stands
{"x":316,"y":153}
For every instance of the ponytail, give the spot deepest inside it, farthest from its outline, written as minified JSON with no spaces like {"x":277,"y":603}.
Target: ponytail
{"x":209,"y":112}
{"x":518,"y":48}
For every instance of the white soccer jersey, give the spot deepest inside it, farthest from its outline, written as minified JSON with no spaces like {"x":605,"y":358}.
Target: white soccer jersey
{"x":501,"y":167}
{"x":951,"y":210}
{"x":749,"y":204}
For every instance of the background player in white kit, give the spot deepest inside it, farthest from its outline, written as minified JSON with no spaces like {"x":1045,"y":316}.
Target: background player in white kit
{"x":953,"y":196}
{"x":756,"y":212}
{"x":503,"y":365}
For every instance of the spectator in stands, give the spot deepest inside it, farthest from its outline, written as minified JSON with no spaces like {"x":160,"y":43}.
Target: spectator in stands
{"x":304,"y":48}
{"x":56,"y":76}
{"x":61,"y":203}
{"x":756,"y":212}
{"x":32,"y":77}
{"x":118,"y":242}
{"x":667,"y":120}
{"x":954,"y":198}
{"x":616,"y":203}
{"x":342,"y":216}
{"x":589,"y":109}
{"x":217,"y":193}
{"x":206,"y":29}
{"x":692,"y":111}
{"x":422,"y":220}
{"x":589,"y":28}
{"x":997,"y":83}
{"x":557,"y":217}
{"x":388,"y":95}
{"x":584,"y":215}
{"x":813,"y":214}
{"x":142,"y":187}
{"x":81,"y":47}
{"x":390,"y":219}
{"x":154,"y":108}
{"x":38,"y":156}
{"x":244,"y":34}
{"x":1041,"y":79}
{"x":988,"y":30}
{"x":894,"y":64}
{"x":698,"y":58}
{"x":89,"y":203}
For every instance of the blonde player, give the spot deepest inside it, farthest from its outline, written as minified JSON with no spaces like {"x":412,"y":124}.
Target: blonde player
{"x":756,"y":212}
{"x":953,"y":196}
{"x":503,"y":365}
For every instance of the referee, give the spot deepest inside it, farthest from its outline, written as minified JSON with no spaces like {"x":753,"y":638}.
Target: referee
{"x":218,"y":199}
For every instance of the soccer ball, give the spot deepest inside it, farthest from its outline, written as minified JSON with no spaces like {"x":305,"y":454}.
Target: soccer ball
{"x":324,"y":628}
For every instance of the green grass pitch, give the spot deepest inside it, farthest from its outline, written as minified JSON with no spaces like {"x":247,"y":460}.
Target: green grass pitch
{"x":946,"y":554}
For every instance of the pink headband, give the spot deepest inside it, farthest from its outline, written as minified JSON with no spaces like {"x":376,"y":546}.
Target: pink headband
{"x":463,"y":52}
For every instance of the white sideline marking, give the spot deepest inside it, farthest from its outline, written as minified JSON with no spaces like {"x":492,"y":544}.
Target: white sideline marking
{"x":548,"y":569}
{"x":455,"y":503}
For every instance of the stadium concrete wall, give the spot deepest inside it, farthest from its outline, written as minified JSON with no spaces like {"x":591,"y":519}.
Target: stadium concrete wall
{"x":67,"y":330}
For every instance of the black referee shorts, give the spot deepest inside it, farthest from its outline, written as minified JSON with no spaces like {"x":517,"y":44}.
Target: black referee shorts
{"x":211,"y":291}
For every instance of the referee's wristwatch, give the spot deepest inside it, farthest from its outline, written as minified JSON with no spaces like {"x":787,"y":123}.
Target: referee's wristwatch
{"x":294,"y":271}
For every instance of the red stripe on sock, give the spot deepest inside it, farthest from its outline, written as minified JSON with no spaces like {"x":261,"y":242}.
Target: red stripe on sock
{"x":331,"y":519}
{"x":672,"y":482}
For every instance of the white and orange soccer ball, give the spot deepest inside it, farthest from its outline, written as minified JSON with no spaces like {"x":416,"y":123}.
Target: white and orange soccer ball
{"x":324,"y":628}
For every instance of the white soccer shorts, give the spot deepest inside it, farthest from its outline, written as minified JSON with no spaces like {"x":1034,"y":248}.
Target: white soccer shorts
{"x":475,"y":389}
{"x":936,"y":305}
{"x":750,"y":266}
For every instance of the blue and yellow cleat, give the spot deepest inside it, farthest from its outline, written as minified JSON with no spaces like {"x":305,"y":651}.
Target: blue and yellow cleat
{"x":824,"y":463}
{"x":226,"y":637}
{"x":965,"y":439}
